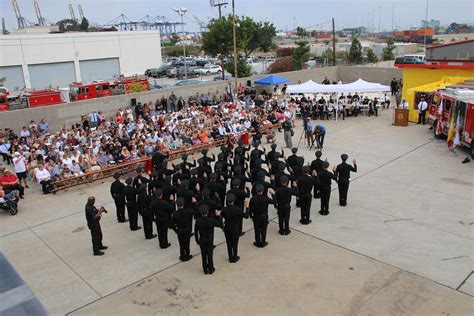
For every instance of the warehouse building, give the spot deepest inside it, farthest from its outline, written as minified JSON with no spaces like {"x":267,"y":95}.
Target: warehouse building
{"x":42,"y":60}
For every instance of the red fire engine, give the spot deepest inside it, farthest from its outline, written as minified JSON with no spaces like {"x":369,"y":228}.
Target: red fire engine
{"x":454,"y":104}
{"x":96,"y":89}
{"x":31,"y":99}
{"x":131,"y":84}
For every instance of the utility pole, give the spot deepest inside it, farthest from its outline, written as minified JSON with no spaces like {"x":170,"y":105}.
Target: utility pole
{"x":182,"y":12}
{"x":235,"y":45}
{"x":393,"y":15}
{"x":424,"y":31}
{"x":333,"y":43}
{"x":380,"y":19}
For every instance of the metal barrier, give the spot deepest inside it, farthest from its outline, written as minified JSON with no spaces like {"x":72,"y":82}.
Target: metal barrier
{"x":130,"y":166}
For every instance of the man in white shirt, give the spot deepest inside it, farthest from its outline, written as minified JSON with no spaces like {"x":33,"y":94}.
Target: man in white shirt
{"x":19,"y":162}
{"x":422,"y":107}
{"x":24,"y":132}
{"x":404,"y":104}
{"x":43,"y":177}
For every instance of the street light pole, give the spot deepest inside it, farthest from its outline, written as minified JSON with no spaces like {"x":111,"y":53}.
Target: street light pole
{"x":235,"y":45}
{"x":182,"y":12}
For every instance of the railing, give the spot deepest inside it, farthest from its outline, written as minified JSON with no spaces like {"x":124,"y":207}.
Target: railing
{"x":130,"y":166}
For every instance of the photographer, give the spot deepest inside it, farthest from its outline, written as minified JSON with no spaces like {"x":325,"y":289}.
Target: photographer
{"x":93,"y":216}
{"x":288,"y":132}
{"x":320,"y":134}
{"x":308,"y":129}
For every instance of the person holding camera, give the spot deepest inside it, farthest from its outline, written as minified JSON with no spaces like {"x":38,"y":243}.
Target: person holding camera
{"x":288,"y":132}
{"x":320,"y":134}
{"x":93,"y":216}
{"x":308,"y":129}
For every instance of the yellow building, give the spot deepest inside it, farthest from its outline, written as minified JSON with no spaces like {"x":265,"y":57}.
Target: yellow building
{"x":446,"y":64}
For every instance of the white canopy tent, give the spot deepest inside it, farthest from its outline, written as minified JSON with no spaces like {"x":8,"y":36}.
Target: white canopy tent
{"x":360,"y":86}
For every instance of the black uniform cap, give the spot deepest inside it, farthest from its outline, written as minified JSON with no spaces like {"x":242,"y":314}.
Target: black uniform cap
{"x":206,"y":192}
{"x":281,"y":166}
{"x":235,"y":182}
{"x":143,"y":186}
{"x":284,"y":179}
{"x":185,"y":183}
{"x":273,"y":146}
{"x":180,"y":202}
{"x":261,"y":174}
{"x":184,"y":157}
{"x":154,"y":174}
{"x":238,"y":168}
{"x":204,"y":151}
{"x":325,"y":165}
{"x":117,"y":175}
{"x":194,"y":171}
{"x":129,"y":181}
{"x":305,"y":169}
{"x":218,"y":165}
{"x":230,"y":198}
{"x":213,"y":176}
{"x":277,"y":155}
{"x":158,"y":192}
{"x":294,"y":150}
{"x":344,"y":157}
{"x":259,"y":188}
{"x":319,"y":154}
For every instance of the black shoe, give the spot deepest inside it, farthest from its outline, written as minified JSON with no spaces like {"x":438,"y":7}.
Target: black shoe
{"x":302,"y":221}
{"x":264,"y":244}
{"x":152,"y":236}
{"x":231,"y":260}
{"x":211,"y":270}
{"x":166,"y":246}
{"x":256,"y":244}
{"x":99,"y":253}
{"x":242,"y":233}
{"x":123,"y":221}
{"x":22,"y":196}
{"x":136,"y":228}
{"x":103,"y":248}
{"x":288,"y":232}
{"x":236,"y":258}
{"x":206,"y":272}
{"x":281,"y":232}
{"x":182,"y":258}
{"x":308,"y":222}
{"x":187,"y":258}
{"x":466,"y":160}
{"x":29,"y":187}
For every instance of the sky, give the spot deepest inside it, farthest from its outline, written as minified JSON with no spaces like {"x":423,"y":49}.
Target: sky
{"x":284,"y":14}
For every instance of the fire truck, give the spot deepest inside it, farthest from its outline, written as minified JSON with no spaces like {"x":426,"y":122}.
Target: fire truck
{"x":30,"y":99}
{"x":123,"y":85}
{"x":96,"y":89}
{"x":454,"y":104}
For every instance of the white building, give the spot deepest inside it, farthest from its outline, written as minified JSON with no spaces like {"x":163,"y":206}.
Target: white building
{"x":41,"y":60}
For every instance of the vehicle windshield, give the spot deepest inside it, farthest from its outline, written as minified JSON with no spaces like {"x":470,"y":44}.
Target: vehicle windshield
{"x":3,"y":100}
{"x":73,"y":90}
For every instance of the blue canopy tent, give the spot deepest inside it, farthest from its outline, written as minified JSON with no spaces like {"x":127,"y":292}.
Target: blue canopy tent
{"x":272,"y":80}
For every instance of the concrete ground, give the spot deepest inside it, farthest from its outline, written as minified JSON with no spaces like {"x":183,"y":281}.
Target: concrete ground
{"x":403,"y":245}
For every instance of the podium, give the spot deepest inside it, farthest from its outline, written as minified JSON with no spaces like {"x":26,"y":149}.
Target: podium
{"x":401,"y":117}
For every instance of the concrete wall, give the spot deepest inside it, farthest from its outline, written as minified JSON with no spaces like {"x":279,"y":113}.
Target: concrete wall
{"x":136,"y":51}
{"x":58,"y":115}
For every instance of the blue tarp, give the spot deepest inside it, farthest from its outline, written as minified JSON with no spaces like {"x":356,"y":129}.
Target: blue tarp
{"x":272,"y":80}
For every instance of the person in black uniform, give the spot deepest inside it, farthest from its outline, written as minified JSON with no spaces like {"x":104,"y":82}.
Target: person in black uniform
{"x":158,"y":158}
{"x":182,"y":224}
{"x":204,"y":235}
{"x":325,"y":178}
{"x":93,"y":216}
{"x":343,"y":174}
{"x":316,"y":167}
{"x":258,"y":210}
{"x":132,"y":204}
{"x":283,"y":196}
{"x":163,"y":211}
{"x":139,"y":178}
{"x":144,"y":205}
{"x":261,"y":180}
{"x":232,"y":216}
{"x":239,"y":195}
{"x":305,"y":185}
{"x":117,"y":191}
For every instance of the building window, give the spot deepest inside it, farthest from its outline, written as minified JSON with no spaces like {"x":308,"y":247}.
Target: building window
{"x":463,"y":55}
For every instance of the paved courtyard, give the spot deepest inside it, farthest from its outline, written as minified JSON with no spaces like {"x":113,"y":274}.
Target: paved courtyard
{"x":403,"y":245}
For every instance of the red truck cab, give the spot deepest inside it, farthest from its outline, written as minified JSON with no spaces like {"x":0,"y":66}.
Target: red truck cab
{"x":79,"y":91}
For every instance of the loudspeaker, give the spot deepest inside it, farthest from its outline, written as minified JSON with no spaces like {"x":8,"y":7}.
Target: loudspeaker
{"x":133,"y":102}
{"x":249,"y":83}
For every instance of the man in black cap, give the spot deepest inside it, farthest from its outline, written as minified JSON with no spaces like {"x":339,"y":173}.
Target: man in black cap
{"x":239,"y":196}
{"x":162,"y":209}
{"x":139,"y":178}
{"x":316,"y":168}
{"x":216,"y":188}
{"x":186,"y":166}
{"x":196,"y":183}
{"x":182,"y":224}
{"x":190,"y":198}
{"x":305,"y":185}
{"x":204,"y":235}
{"x":154,"y":183}
{"x":117,"y":191}
{"x":258,"y":210}
{"x":283,"y":196}
{"x":295,"y":163}
{"x":132,"y":204}
{"x":325,"y":178}
{"x":157,"y":159}
{"x":261,"y":180}
{"x":93,"y":216}
{"x":144,"y":205}
{"x":343,"y":174}
{"x":233,"y":216}
{"x":271,"y":154}
{"x":240,"y":175}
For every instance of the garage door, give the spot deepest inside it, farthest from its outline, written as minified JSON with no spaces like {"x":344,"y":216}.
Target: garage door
{"x":99,"y":69}
{"x":52,"y":74}
{"x":14,"y":76}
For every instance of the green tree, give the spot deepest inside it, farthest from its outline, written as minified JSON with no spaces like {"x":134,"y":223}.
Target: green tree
{"x":174,"y":39}
{"x":301,"y":32}
{"x":327,"y":55}
{"x":253,"y":35}
{"x":2,"y":80}
{"x":301,"y":54}
{"x":68,"y":25}
{"x":355,"y":52}
{"x":218,"y":40}
{"x":281,"y":65}
{"x":388,"y":51}
{"x":243,"y":68}
{"x":371,"y":57}
{"x":84,"y":24}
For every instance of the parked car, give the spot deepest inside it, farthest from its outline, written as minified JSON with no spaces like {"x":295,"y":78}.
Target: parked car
{"x":408,"y":60}
{"x":157,"y":72}
{"x":187,"y":82}
{"x":209,"y":70}
{"x":226,"y":77}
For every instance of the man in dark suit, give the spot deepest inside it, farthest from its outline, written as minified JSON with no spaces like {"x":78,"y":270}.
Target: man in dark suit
{"x":258,"y":208}
{"x":204,"y":235}
{"x":132,"y":204}
{"x":93,"y":216}
{"x":305,"y":185}
{"x":316,"y":167}
{"x":325,"y":178}
{"x":117,"y":191}
{"x":343,"y":174}
{"x":233,"y":216}
{"x":163,"y":210}
{"x":182,"y":224}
